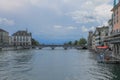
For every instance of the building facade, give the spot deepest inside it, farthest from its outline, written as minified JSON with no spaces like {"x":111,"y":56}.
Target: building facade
{"x":114,"y":38}
{"x":4,"y":38}
{"x":116,"y":16}
{"x":90,"y":39}
{"x":10,"y":41}
{"x":110,"y":25}
{"x":22,"y":38}
{"x":93,"y":42}
{"x":100,"y":34}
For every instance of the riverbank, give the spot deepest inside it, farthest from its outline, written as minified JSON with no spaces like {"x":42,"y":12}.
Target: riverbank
{"x":105,"y":56}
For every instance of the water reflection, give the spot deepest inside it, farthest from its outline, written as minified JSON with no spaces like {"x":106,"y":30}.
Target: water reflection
{"x":15,"y":65}
{"x":56,"y":64}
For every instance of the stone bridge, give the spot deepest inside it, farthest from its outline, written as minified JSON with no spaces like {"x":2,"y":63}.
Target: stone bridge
{"x":64,"y":46}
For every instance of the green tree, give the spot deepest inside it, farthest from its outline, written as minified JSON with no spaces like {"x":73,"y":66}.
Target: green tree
{"x":82,"y":41}
{"x":70,"y":43}
{"x":35,"y":42}
{"x":76,"y":42}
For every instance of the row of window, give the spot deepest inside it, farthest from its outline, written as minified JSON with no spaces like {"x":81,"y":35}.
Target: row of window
{"x":116,"y":31}
{"x":115,"y":17}
{"x":22,"y":39}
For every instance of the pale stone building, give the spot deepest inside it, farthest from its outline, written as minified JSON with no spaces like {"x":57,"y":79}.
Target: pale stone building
{"x":100,"y":34}
{"x":22,"y":38}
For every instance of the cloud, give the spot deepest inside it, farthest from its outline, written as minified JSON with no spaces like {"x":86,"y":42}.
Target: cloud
{"x":5,"y":21}
{"x":71,"y":27}
{"x":85,"y":29}
{"x":12,"y":5}
{"x":41,"y":16}
{"x":98,"y":11}
{"x":58,"y":32}
{"x":82,"y":16}
{"x":57,"y":26}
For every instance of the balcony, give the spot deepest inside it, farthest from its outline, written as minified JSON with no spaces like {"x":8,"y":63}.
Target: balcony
{"x":115,"y":33}
{"x":113,"y":39}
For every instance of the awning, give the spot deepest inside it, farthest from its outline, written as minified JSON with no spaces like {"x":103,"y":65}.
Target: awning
{"x":102,"y":47}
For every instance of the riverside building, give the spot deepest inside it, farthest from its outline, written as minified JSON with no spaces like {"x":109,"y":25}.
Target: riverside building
{"x":22,"y":38}
{"x":116,"y":30}
{"x":90,"y":39}
{"x":4,"y":38}
{"x":100,"y":34}
{"x":114,"y":38}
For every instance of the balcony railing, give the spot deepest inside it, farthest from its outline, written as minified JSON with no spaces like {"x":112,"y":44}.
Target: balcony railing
{"x":115,"y":33}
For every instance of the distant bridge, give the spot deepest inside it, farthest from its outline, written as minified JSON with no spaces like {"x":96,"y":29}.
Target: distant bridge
{"x":64,"y":46}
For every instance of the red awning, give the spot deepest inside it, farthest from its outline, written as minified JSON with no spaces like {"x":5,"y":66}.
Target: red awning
{"x":102,"y":47}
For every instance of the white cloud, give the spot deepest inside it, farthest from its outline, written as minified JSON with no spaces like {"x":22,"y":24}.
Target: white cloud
{"x":59,"y":6}
{"x":82,"y":16}
{"x":5,"y":21}
{"x":71,"y":27}
{"x":42,"y":14}
{"x":57,"y":26}
{"x":12,"y":5}
{"x":92,"y":11}
{"x":85,"y":29}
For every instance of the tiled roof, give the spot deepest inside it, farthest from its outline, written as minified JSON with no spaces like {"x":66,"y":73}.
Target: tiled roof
{"x":21,"y":33}
{"x":1,"y":30}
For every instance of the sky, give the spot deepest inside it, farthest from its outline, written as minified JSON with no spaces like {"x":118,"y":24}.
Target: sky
{"x":54,"y":21}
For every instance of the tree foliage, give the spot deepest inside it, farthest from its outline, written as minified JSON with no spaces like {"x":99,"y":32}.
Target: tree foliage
{"x":70,"y":43}
{"x":35,"y":42}
{"x":75,"y":42}
{"x":82,"y":41}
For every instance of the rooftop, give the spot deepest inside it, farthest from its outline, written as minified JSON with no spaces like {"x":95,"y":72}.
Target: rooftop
{"x":1,"y":30}
{"x":116,"y":6}
{"x":22,"y":33}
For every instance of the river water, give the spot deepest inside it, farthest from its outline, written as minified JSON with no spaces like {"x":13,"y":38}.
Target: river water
{"x":58,"y":64}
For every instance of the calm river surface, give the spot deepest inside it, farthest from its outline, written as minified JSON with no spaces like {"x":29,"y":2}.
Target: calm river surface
{"x":58,"y":64}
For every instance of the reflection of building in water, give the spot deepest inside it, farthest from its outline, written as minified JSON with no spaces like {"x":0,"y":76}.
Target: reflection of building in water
{"x":21,"y":65}
{"x":15,"y":66}
{"x":24,"y":58}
